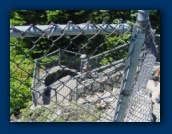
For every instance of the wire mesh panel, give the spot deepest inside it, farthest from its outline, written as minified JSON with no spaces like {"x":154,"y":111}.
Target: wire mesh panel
{"x":157,"y":41}
{"x":48,"y":79}
{"x":140,"y":106}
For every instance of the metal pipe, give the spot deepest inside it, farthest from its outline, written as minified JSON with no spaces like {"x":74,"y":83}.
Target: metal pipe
{"x":67,"y":51}
{"x":46,"y":55}
{"x":102,"y":67}
{"x":106,"y":52}
{"x":34,"y":83}
{"x":137,"y":40}
{"x":52,"y":30}
{"x":59,"y":58}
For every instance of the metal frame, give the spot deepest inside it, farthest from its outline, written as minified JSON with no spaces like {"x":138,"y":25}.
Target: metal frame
{"x":69,"y":29}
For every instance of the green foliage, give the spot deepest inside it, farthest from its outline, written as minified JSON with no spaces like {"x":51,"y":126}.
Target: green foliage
{"x":113,"y":42}
{"x":56,"y":16}
{"x":27,"y":17}
{"x":106,"y":60}
{"x":48,"y":61}
{"x":18,"y":20}
{"x":155,"y":20}
{"x":21,"y":70}
{"x":116,"y":40}
{"x":42,"y":114}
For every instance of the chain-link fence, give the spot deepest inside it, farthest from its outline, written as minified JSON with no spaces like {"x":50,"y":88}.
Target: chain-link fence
{"x":50,"y":82}
{"x":140,"y":106}
{"x":157,"y":40}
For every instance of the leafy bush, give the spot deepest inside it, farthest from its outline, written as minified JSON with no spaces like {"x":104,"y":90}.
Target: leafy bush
{"x":21,"y":70}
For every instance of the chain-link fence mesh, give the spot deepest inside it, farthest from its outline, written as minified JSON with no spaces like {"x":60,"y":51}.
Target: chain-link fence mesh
{"x":140,"y":108}
{"x":60,"y":91}
{"x":157,"y":40}
{"x":47,"y":81}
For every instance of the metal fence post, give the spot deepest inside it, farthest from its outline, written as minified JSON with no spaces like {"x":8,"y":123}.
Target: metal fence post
{"x":96,"y":61}
{"x":137,"y":40}
{"x":59,"y":60}
{"x":35,"y":94}
{"x":76,"y":90}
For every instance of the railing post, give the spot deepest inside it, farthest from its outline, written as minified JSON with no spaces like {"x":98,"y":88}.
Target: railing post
{"x":76,"y":90}
{"x":96,"y":61}
{"x":35,"y":94}
{"x":59,"y":60}
{"x":136,"y":42}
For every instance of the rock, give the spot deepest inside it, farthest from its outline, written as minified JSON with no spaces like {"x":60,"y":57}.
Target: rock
{"x":57,"y":73}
